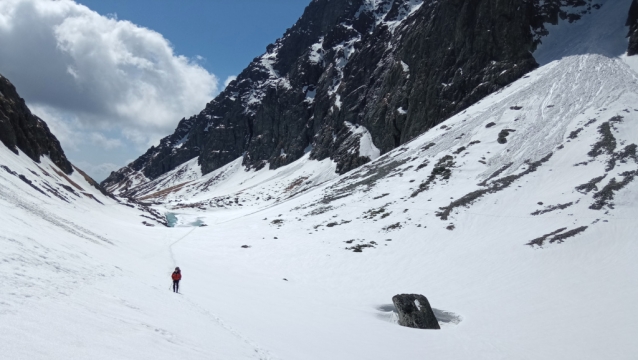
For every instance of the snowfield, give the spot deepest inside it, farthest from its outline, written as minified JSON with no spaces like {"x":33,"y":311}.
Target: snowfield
{"x":516,"y":219}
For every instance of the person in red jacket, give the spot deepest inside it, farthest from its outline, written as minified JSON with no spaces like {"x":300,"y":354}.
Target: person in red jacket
{"x":177,"y":276}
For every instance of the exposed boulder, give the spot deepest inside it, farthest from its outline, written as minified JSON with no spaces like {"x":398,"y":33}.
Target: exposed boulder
{"x":414,"y":311}
{"x":20,"y":129}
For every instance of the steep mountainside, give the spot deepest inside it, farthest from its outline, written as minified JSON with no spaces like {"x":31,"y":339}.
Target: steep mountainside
{"x":21,"y":130}
{"x":632,"y":22}
{"x":352,"y":80}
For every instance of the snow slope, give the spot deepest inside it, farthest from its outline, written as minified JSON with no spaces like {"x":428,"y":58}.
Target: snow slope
{"x":516,"y":218}
{"x":82,"y":276}
{"x":571,"y":297}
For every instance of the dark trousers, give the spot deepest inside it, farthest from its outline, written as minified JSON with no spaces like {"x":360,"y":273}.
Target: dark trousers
{"x":175,"y":285}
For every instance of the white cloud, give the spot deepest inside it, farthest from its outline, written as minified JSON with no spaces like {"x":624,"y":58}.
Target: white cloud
{"x":71,"y":132}
{"x":229,"y":80}
{"x":105,"y":142}
{"x":96,"y":73}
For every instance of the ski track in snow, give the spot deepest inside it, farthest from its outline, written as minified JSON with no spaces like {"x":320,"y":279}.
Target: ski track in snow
{"x":260,"y":352}
{"x":548,"y":107}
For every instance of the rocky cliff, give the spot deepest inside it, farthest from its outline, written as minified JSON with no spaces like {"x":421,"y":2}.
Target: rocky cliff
{"x":632,"y":22}
{"x":20,"y":130}
{"x":352,"y":80}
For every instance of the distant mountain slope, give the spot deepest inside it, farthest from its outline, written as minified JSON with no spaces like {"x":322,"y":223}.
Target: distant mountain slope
{"x":395,"y":67}
{"x":21,"y":130}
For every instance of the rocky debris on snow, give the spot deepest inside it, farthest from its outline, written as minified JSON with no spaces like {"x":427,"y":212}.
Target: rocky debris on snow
{"x":364,"y":178}
{"x":494,"y":187}
{"x":428,"y":146}
{"x":372,"y":213}
{"x":394,"y":226}
{"x":333,"y":224}
{"x":590,"y":185}
{"x":574,"y":134}
{"x":55,"y":192}
{"x":90,"y":196}
{"x":490,"y":124}
{"x":381,"y":196}
{"x":606,"y":194}
{"x":360,"y":247}
{"x":496,"y":174}
{"x":69,"y":189}
{"x":320,"y":210}
{"x":557,"y":236}
{"x":442,"y":170}
{"x":414,"y":311}
{"x":628,"y":152}
{"x":502,"y":136}
{"x":424,"y":164}
{"x":459,"y":150}
{"x":147,"y":224}
{"x":552,"y":208}
{"x":607,"y":142}
{"x":590,"y":121}
{"x":24,"y":179}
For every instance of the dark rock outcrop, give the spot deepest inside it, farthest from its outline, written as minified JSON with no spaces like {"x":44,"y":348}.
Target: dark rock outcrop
{"x":395,"y":67}
{"x":632,"y":22}
{"x":21,"y":130}
{"x":415,"y":311}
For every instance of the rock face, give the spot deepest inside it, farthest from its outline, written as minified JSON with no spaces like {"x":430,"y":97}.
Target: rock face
{"x":415,"y":311}
{"x":355,"y":79}
{"x":632,"y":22}
{"x":21,"y":130}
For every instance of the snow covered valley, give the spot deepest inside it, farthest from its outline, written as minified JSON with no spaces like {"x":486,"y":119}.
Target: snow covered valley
{"x":516,"y":219}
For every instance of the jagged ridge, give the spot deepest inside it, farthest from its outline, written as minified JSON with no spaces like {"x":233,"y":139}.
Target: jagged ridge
{"x":395,"y":67}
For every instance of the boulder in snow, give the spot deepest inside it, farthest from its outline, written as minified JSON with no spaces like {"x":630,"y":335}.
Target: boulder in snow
{"x":414,"y":311}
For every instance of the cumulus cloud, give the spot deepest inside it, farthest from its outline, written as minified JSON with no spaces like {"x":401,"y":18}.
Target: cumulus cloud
{"x":107,"y":88}
{"x":96,"y":73}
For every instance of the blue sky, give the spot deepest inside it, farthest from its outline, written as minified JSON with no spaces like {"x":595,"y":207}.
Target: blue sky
{"x":227,"y":33}
{"x":112,"y":77}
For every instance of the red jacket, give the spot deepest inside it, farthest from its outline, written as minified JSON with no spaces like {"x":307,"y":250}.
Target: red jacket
{"x":177,"y":276}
